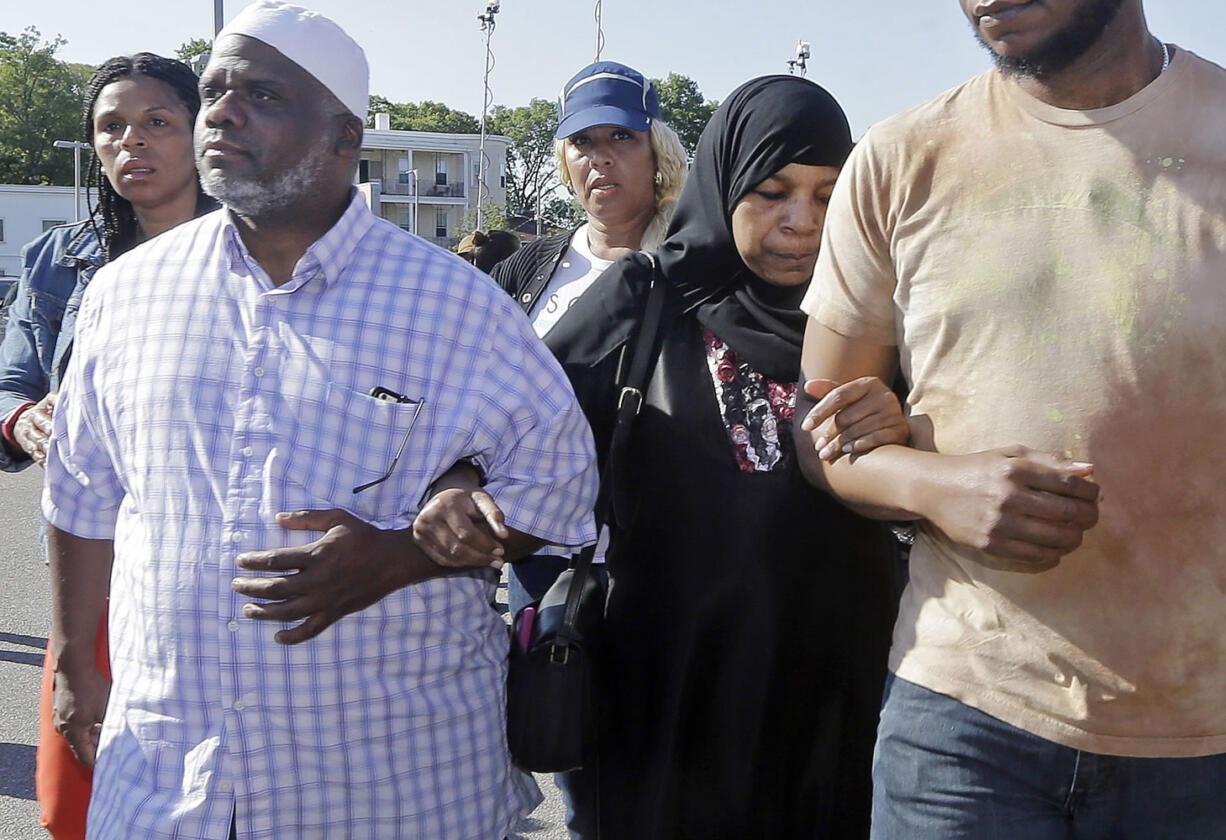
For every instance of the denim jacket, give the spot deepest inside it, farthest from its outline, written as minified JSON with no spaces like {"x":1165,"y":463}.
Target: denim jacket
{"x":55,"y":269}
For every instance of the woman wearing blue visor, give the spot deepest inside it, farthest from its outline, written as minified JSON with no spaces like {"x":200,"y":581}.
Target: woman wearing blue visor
{"x":626,"y":167}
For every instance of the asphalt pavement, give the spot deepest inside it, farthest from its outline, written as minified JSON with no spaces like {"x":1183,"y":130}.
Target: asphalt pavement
{"x":25,"y":617}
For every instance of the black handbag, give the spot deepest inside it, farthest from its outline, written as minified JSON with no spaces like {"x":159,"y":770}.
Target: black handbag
{"x":550,"y":682}
{"x":551,"y":694}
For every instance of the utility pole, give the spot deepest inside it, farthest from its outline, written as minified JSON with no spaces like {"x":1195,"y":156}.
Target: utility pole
{"x":219,"y":16}
{"x":487,"y":26}
{"x":599,"y":31}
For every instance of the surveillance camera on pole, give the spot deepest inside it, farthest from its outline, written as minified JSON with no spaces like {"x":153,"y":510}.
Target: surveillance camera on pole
{"x":800,"y":64}
{"x":487,"y":26}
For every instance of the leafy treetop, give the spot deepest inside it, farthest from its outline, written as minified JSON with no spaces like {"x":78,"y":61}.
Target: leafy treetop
{"x":190,"y":49}
{"x":40,"y":102}
{"x":683,"y":107}
{"x":426,"y":116}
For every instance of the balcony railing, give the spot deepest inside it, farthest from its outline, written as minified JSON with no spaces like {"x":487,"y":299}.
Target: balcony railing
{"x":443,"y":190}
{"x":403,"y":185}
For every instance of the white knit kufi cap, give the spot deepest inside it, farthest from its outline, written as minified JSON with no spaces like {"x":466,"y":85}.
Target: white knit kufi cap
{"x":314,"y":43}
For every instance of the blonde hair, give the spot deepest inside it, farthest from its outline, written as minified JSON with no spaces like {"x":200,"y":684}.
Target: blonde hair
{"x":671,"y":165}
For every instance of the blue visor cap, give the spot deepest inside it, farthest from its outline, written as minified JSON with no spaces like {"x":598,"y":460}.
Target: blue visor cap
{"x":606,"y":93}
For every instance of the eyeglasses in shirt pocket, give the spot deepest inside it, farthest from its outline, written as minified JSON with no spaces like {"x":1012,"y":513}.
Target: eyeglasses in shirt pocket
{"x":361,"y":457}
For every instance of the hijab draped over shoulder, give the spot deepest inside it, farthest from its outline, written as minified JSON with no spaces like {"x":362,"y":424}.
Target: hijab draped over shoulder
{"x":763,"y":125}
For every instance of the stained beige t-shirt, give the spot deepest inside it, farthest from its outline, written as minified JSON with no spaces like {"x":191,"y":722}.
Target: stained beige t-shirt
{"x":1057,"y":279}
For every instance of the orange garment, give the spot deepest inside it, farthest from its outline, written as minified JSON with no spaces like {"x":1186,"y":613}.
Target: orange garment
{"x":61,"y":782}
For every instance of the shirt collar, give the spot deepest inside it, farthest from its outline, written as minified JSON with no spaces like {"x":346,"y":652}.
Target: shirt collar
{"x":326,"y":258}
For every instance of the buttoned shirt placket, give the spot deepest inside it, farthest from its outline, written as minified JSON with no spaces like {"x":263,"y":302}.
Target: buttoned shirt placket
{"x":252,"y":441}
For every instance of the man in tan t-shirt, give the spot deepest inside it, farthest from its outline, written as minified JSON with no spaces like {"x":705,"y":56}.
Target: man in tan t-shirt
{"x":1043,"y":250}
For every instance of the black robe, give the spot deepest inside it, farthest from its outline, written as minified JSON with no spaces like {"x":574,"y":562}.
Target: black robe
{"x":749,"y":616}
{"x":748,"y":625}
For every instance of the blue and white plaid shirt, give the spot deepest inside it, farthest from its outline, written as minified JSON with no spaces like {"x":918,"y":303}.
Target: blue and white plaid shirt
{"x":200,"y":401}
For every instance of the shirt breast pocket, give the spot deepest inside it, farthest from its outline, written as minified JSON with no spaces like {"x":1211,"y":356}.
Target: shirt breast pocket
{"x":364,"y":455}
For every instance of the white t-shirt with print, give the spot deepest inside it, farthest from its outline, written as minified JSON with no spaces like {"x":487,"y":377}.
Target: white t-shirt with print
{"x":576,"y":273}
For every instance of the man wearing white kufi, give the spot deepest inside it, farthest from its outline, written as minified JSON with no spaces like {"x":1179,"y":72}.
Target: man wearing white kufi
{"x":258,"y":405}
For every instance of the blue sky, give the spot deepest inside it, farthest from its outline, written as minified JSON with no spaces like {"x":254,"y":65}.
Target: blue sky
{"x":876,"y":56}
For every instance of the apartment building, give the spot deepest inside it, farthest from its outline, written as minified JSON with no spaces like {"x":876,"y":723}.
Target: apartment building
{"x":428,"y":182}
{"x":425,"y":182}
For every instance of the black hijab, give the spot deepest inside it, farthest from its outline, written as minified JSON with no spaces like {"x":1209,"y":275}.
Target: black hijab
{"x":763,"y":126}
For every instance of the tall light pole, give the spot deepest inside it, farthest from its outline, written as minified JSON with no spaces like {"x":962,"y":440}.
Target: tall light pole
{"x":487,"y":26}
{"x":76,"y":146}
{"x":219,"y":16}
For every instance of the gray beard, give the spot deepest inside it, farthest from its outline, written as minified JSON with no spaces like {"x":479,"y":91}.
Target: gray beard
{"x":266,"y":197}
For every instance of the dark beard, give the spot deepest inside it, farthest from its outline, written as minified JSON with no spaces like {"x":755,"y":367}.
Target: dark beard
{"x":1063,"y":48}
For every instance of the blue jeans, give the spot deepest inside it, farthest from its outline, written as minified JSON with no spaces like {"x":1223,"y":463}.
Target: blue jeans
{"x":530,"y":578}
{"x":945,"y":770}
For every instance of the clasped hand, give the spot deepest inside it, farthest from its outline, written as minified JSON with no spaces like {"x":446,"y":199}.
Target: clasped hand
{"x":1017,"y":503}
{"x":32,"y":431}
{"x":853,"y":418}
{"x":353,"y":565}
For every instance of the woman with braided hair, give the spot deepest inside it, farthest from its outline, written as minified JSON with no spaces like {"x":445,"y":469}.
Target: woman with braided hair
{"x":138,"y":115}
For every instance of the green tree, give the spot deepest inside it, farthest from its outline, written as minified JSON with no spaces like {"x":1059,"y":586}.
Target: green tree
{"x":190,"y":49}
{"x":532,"y":164}
{"x":683,"y":107}
{"x":491,"y":219}
{"x":426,"y":116}
{"x":563,"y":212}
{"x":40,"y":102}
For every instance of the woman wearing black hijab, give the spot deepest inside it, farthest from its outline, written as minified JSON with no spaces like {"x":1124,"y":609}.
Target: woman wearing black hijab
{"x":749,"y":616}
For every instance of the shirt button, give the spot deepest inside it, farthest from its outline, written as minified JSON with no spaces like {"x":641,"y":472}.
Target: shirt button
{"x":565,"y":265}
{"x":232,"y":626}
{"x":259,"y":371}
{"x":247,"y":452}
{"x":239,"y":705}
{"x":236,"y":537}
{"x":224,"y":787}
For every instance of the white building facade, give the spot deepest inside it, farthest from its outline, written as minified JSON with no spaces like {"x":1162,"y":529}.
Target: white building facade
{"x":425,"y":182}
{"x":428,"y":182}
{"x":25,"y":212}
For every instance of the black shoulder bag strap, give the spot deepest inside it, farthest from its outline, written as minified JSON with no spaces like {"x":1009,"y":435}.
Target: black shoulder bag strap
{"x":629,"y":403}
